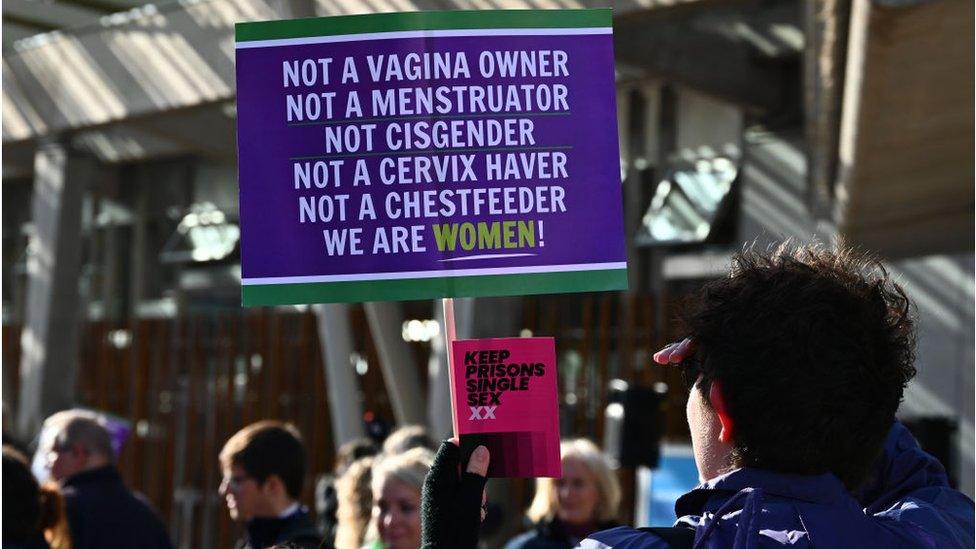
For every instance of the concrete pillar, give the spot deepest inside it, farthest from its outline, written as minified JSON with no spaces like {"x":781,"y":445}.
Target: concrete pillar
{"x":50,"y":333}
{"x":396,"y":361}
{"x":636,"y":145}
{"x":335,"y":336}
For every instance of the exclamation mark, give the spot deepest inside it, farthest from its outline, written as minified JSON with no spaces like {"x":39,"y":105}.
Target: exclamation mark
{"x":542,"y":234}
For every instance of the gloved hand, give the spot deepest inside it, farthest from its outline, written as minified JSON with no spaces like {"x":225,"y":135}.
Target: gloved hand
{"x":451,"y":503}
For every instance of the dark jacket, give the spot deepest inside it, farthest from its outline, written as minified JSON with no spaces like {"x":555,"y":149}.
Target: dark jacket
{"x":550,"y":534}
{"x":36,"y":542}
{"x":908,"y":503}
{"x":102,"y":512}
{"x":326,"y":507}
{"x":296,"y":528}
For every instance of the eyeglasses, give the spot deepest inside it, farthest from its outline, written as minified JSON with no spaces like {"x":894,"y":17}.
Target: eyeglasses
{"x":234,"y":482}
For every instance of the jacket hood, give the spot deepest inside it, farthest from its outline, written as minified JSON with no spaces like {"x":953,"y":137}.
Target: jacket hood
{"x":902,"y":468}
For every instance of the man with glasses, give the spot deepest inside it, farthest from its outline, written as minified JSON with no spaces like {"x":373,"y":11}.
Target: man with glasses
{"x":264,"y":470}
{"x":101,"y":511}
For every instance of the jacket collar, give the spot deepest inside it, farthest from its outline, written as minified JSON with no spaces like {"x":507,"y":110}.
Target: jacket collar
{"x":105,"y":473}
{"x":901,"y":468}
{"x":557,"y":530}
{"x":824,"y":488}
{"x":265,"y":531}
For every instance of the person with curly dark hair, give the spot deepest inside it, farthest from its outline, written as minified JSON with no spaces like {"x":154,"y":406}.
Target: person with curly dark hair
{"x":796,"y":363}
{"x":823,"y":339}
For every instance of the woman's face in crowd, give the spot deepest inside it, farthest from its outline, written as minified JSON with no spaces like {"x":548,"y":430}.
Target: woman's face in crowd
{"x":396,"y":509}
{"x":577,"y":493}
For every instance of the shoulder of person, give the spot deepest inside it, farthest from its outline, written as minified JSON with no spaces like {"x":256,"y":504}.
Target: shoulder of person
{"x":625,"y":537}
{"x":943,"y":515}
{"x":305,"y":537}
{"x":306,"y":542}
{"x":533,"y":539}
{"x":299,"y":527}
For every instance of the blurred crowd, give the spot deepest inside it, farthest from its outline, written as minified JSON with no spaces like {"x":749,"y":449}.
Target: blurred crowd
{"x":795,"y":364}
{"x":371,"y":500}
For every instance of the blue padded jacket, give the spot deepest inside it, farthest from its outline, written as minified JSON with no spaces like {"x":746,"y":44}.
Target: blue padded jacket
{"x":906,"y":503}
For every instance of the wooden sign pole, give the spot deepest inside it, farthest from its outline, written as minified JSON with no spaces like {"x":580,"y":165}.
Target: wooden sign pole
{"x":450,"y":333}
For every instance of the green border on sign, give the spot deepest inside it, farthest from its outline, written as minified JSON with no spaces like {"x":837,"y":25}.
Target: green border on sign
{"x":422,"y":20}
{"x":431,"y":288}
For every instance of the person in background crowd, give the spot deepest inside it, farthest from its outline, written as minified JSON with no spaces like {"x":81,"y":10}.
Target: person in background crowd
{"x":397,"y":481}
{"x":264,"y":469}
{"x":33,"y":516}
{"x":353,"y":451}
{"x":326,"y":496}
{"x":566,"y":510}
{"x":407,"y":437}
{"x":355,"y":497}
{"x":101,"y":511}
{"x":796,"y":363}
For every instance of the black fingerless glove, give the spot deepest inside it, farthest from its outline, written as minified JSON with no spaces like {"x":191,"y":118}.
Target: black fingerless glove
{"x":450,"y":507}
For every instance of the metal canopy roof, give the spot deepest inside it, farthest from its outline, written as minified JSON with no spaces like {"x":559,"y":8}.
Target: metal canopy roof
{"x":24,"y":19}
{"x":158,"y":80}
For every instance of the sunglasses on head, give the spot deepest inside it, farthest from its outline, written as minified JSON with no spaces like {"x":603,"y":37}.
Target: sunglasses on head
{"x":690,"y":371}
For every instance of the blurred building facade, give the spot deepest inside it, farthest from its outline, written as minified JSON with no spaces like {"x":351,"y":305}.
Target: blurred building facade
{"x":740,"y":121}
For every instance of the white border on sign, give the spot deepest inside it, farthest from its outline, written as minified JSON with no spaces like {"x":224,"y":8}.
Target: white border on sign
{"x":453,"y":273}
{"x":419,"y":34}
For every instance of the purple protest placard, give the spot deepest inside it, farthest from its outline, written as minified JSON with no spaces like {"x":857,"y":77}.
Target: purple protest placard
{"x":429,"y":154}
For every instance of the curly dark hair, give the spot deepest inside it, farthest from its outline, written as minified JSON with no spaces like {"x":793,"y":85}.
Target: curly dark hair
{"x":813,"y":350}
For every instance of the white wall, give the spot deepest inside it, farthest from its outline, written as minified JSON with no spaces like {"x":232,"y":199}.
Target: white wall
{"x":942,"y":289}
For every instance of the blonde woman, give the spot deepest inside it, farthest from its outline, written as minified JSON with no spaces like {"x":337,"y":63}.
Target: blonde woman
{"x":568,"y":509}
{"x":397,"y":482}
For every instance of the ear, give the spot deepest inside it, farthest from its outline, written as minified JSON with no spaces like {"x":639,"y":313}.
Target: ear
{"x":78,"y":451}
{"x":717,"y":400}
{"x":274,"y":485}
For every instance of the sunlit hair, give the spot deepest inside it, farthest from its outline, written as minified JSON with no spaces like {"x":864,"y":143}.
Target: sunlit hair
{"x":545,"y":503}
{"x":84,"y":428}
{"x":407,"y":437}
{"x":409,"y":467}
{"x":355,"y":497}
